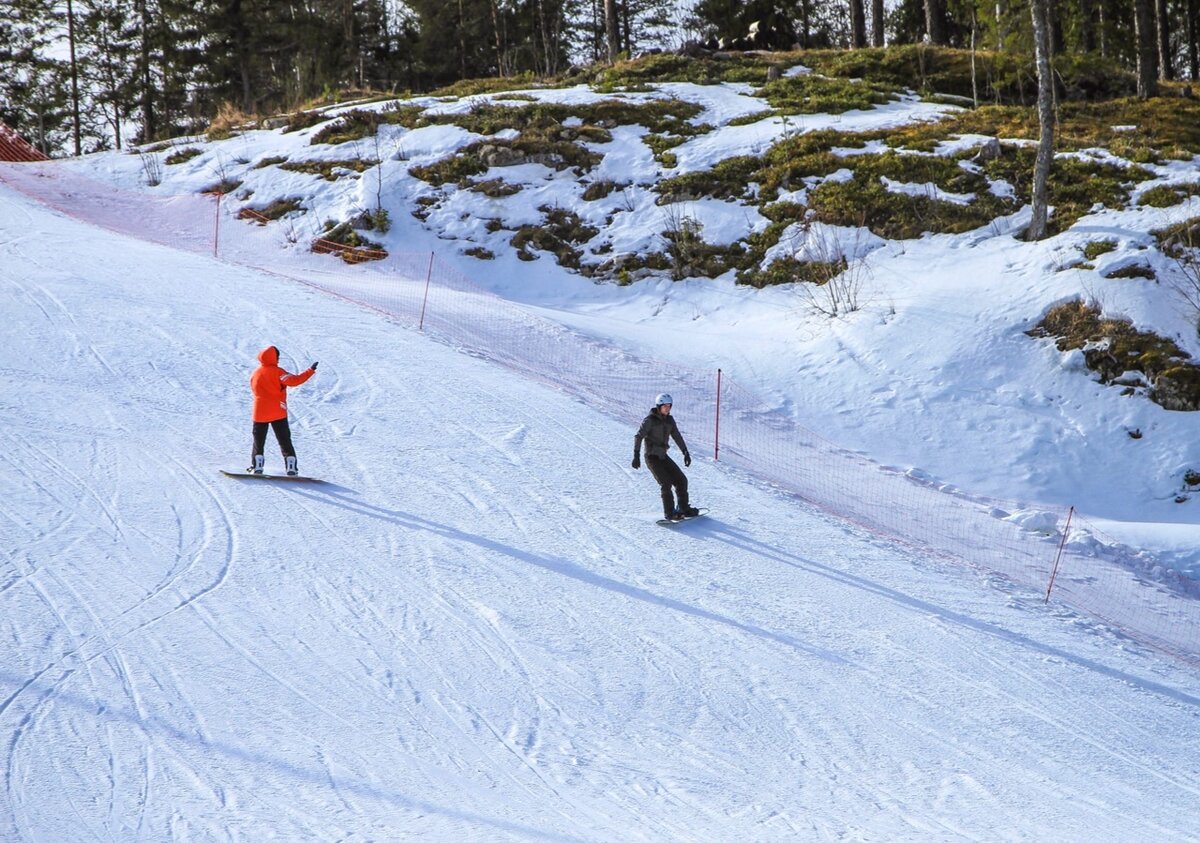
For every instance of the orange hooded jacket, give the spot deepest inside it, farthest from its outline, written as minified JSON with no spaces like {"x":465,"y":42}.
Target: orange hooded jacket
{"x":269,"y":384}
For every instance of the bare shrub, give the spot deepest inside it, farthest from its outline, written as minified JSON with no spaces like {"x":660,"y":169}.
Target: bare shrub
{"x":152,"y":168}
{"x":838,"y":276}
{"x":683,"y":233}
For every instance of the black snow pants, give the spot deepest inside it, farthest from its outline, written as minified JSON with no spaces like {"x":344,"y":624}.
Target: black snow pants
{"x":668,"y":474}
{"x":283,"y":434}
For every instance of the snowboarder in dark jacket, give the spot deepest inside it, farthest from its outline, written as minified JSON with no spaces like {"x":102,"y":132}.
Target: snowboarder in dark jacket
{"x":657,"y":429}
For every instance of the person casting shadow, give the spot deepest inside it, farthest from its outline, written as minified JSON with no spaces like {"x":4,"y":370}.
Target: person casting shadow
{"x":657,"y":429}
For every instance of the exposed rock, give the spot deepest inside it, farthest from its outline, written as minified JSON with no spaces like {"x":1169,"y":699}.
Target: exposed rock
{"x":1178,"y":388}
{"x":501,"y":156}
{"x":990,"y":150}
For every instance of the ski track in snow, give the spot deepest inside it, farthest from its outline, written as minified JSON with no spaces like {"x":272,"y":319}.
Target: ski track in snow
{"x":473,"y":630}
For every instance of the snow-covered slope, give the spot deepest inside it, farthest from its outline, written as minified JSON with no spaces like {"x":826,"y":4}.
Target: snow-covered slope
{"x":474,"y":631}
{"x":934,"y":372}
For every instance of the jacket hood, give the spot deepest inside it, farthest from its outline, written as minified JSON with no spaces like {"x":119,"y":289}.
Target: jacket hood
{"x":269,"y":356}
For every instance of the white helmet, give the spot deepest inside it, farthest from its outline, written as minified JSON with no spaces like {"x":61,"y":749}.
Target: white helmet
{"x":663,"y":398}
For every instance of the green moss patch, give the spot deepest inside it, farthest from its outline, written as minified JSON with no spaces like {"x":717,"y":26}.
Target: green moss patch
{"x":812,"y":94}
{"x":453,"y":169}
{"x":1133,"y":270}
{"x":1176,"y":240}
{"x":304,"y":120}
{"x":270,"y":212}
{"x":1096,"y":248}
{"x":361,"y":123}
{"x":182,"y":155}
{"x":1168,"y":195}
{"x":788,"y":270}
{"x":1113,"y":347}
{"x":864,"y":200}
{"x":492,"y":85}
{"x":326,"y":169}
{"x":559,"y":234}
{"x":223,"y":187}
{"x":1001,"y":77}
{"x":600,"y":190}
{"x":343,"y":240}
{"x":671,"y":67}
{"x":729,"y":179}
{"x":495,"y":188}
{"x":1075,"y":184}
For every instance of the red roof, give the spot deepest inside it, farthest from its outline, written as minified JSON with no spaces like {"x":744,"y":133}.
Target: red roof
{"x":13,"y":147}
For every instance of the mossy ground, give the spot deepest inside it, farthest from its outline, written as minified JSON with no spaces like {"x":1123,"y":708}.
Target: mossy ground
{"x":1112,"y":348}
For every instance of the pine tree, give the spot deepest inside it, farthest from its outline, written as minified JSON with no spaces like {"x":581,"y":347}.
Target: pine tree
{"x":107,"y":62}
{"x":35,"y":89}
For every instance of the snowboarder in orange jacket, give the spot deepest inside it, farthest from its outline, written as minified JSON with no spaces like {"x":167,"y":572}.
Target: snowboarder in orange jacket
{"x":269,"y":384}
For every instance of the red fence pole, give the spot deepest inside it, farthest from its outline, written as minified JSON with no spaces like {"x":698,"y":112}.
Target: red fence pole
{"x":1058,"y":557}
{"x":428,"y":275}
{"x":717,"y":431}
{"x":217,"y":225}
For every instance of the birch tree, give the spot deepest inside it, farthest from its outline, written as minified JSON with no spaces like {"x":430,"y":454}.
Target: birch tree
{"x":1045,"y":151}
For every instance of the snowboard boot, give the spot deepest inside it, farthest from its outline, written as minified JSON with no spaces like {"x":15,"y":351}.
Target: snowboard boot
{"x":676,"y":515}
{"x":257,"y":468}
{"x":690,"y":512}
{"x":291,"y":466}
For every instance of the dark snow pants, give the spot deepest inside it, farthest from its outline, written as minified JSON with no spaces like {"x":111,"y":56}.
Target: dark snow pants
{"x":668,"y":474}
{"x":283,"y":434}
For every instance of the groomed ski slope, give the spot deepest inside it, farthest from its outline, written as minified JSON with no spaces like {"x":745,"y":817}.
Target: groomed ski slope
{"x":475,"y":631}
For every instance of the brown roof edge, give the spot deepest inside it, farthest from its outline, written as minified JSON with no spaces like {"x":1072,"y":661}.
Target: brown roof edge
{"x":13,"y":147}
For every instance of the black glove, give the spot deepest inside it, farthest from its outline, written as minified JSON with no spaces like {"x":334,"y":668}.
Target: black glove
{"x":313,"y":366}
{"x":637,"y":461}
{"x":687,"y":460}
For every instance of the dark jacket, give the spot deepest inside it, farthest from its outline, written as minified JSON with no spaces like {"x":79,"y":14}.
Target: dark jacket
{"x":657,"y":430}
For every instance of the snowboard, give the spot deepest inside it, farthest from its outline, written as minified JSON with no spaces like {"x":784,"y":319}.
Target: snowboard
{"x":667,"y":522}
{"x":250,"y":475}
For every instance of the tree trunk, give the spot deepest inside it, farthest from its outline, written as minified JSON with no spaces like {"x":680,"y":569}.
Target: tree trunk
{"x":149,"y":121}
{"x":1045,"y":150}
{"x":858,"y":25}
{"x":74,"y":76}
{"x":1162,"y":24}
{"x":877,"y":13}
{"x":935,"y":22}
{"x":1054,"y":19}
{"x":626,"y":29}
{"x":974,"y":70}
{"x":1147,"y":50}
{"x":1102,"y":23}
{"x":1087,"y":26}
{"x":1193,"y":27}
{"x":499,"y":46}
{"x":610,"y":30}
{"x":462,"y":41}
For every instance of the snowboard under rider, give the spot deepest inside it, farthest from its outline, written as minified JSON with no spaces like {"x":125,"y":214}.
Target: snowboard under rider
{"x":269,"y":384}
{"x":657,"y":429}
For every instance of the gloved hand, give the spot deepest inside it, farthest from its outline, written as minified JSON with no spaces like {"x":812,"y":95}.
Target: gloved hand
{"x":687,"y":460}
{"x":313,"y":366}
{"x":637,"y":461}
